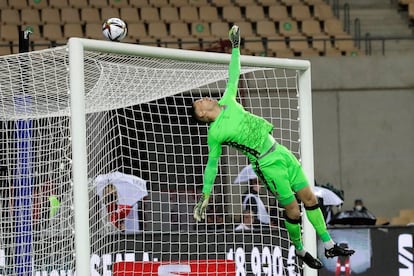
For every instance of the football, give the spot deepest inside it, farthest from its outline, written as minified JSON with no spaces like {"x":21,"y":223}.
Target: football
{"x":114,"y":29}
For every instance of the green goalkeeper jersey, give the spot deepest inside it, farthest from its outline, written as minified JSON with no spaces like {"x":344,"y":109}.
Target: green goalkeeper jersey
{"x":235,"y":127}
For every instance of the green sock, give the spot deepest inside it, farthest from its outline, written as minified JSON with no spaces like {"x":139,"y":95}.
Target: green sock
{"x":316,"y":219}
{"x":295,"y":234}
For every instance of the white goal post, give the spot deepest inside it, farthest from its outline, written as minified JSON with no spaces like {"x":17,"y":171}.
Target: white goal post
{"x":101,"y":163}
{"x":80,"y":178}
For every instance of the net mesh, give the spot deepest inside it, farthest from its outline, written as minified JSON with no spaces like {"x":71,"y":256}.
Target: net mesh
{"x":138,"y":126}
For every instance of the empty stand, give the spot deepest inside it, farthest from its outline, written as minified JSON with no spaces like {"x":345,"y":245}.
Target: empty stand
{"x":254,"y":47}
{"x":321,"y":42}
{"x":254,"y":13}
{"x":130,"y":15}
{"x":298,"y":43}
{"x":266,"y":2}
{"x":5,"y":50}
{"x":110,"y":12}
{"x":221,"y":3}
{"x":30,"y":16}
{"x":243,"y":3}
{"x":10,"y":17}
{"x":209,"y":14}
{"x":188,"y":14}
{"x":309,"y":52}
{"x":169,"y":14}
{"x":290,"y":2}
{"x":345,"y":43}
{"x":246,"y":28}
{"x":50,"y":15}
{"x":201,"y":30}
{"x":90,"y":15}
{"x":149,"y":14}
{"x":198,"y":3}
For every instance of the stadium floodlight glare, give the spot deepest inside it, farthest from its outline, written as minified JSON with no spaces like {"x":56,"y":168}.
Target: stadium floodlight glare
{"x":92,"y":107}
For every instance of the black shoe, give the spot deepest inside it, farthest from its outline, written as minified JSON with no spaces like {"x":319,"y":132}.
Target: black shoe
{"x":338,"y":251}
{"x":311,"y":261}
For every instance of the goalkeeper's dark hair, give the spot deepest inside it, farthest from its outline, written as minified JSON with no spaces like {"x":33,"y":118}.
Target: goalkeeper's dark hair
{"x":194,"y":116}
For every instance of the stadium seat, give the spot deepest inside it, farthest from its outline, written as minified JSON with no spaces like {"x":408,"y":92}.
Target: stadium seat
{"x":232,"y":14}
{"x":52,"y":32}
{"x":323,"y":11}
{"x":411,"y":10}
{"x":30,"y":16}
{"x":119,"y":3}
{"x":4,"y":5}
{"x":278,"y":12}
{"x":136,"y":31}
{"x":72,"y":30}
{"x":344,"y":43}
{"x":10,"y":17}
{"x":399,"y":221}
{"x":109,"y":12}
{"x":321,"y":42}
{"x":158,"y":3}
{"x":79,"y":4}
{"x":36,"y":4}
{"x":149,"y":14}
{"x":138,"y":3}
{"x":278,"y":47}
{"x":58,"y":4}
{"x":209,"y":14}
{"x":130,"y":15}
{"x":201,"y":30}
{"x":290,"y":2}
{"x":169,"y":14}
{"x":180,"y":30}
{"x":5,"y":50}
{"x":246,"y":28}
{"x":97,"y":4}
{"x":50,"y":15}
{"x":90,"y":15}
{"x":242,"y":3}
{"x":298,"y":43}
{"x":333,"y":27}
{"x":18,"y":4}
{"x":93,"y":30}
{"x":70,"y":15}
{"x":254,"y":47}
{"x":9,"y":33}
{"x":221,"y":3}
{"x":311,"y":27}
{"x":309,"y":52}
{"x":301,"y":12}
{"x":314,"y":2}
{"x":220,"y":29}
{"x":288,"y":27}
{"x":254,"y":13}
{"x":178,"y":3}
{"x":157,"y":30}
{"x":198,"y":3}
{"x":266,"y":3}
{"x":189,"y":14}
{"x":266,"y":28}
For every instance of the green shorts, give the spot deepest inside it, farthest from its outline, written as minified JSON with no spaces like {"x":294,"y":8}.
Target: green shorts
{"x":281,"y":173}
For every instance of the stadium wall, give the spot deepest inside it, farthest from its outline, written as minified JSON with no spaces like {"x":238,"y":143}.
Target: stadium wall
{"x":364,"y":129}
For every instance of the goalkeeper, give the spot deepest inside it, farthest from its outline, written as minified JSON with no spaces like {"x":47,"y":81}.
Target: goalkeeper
{"x":277,"y":167}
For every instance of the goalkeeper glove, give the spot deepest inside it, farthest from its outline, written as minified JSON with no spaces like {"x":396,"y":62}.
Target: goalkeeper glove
{"x":200,"y":208}
{"x":234,"y":36}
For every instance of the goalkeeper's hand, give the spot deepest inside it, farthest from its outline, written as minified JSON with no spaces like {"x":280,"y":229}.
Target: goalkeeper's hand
{"x":200,"y":208}
{"x":234,"y":36}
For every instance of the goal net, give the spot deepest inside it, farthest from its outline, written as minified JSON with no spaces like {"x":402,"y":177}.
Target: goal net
{"x":101,"y":163}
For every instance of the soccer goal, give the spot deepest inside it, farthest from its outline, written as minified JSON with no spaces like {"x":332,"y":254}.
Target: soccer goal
{"x":76,"y":119}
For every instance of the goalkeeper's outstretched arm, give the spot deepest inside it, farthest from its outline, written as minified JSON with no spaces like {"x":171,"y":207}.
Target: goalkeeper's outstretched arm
{"x":234,"y":66}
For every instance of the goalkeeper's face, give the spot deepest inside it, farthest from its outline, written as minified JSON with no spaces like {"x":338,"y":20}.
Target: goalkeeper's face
{"x":205,"y":109}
